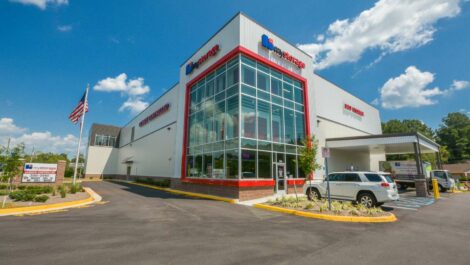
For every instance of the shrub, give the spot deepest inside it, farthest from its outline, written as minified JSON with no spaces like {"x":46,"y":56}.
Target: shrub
{"x":54,"y":191}
{"x":309,"y":206}
{"x":3,"y":186}
{"x":41,"y":198}
{"x":22,"y":195}
{"x":73,"y":188}
{"x":21,"y":187}
{"x":62,"y":191}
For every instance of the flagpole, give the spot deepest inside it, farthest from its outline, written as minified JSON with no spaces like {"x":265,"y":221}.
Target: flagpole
{"x":81,"y":131}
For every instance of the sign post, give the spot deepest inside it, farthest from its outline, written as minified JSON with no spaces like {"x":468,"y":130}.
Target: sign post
{"x":326,"y":154}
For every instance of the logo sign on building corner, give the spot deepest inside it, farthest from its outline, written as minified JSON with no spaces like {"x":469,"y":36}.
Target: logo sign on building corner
{"x":268,"y":43}
{"x":194,"y":65}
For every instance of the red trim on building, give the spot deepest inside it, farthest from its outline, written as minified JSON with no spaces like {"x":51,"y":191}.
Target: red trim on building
{"x":295,"y":181}
{"x":231,"y":183}
{"x":224,"y":59}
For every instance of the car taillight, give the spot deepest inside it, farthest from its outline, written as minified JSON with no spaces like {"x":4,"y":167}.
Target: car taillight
{"x":385,"y":184}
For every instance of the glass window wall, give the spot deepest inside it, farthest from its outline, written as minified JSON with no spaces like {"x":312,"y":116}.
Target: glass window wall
{"x":238,"y":129}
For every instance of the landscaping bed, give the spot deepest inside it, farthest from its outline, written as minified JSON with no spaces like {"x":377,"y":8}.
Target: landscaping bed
{"x":22,"y":195}
{"x":338,"y":208}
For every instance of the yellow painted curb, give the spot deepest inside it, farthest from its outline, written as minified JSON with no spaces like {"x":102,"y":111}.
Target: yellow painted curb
{"x":180,"y":192}
{"x":50,"y":207}
{"x":337,"y":218}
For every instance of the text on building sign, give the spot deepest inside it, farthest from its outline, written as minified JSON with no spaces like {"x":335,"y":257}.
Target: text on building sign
{"x":154,"y":115}
{"x":268,"y":43}
{"x":194,"y":65}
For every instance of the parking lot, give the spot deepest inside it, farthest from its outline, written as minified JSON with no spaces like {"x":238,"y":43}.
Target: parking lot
{"x":138,"y":225}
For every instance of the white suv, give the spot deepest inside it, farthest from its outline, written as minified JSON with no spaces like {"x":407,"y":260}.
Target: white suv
{"x":368,"y":188}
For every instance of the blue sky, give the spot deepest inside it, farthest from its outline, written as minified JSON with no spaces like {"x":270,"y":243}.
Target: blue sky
{"x":50,"y":50}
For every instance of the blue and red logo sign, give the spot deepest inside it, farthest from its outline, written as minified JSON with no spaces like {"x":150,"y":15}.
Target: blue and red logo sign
{"x":268,"y":43}
{"x":194,"y":65}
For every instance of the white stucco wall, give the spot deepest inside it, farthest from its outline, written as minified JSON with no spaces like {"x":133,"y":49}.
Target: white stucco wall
{"x":101,"y":160}
{"x":153,"y":149}
{"x":152,"y":156}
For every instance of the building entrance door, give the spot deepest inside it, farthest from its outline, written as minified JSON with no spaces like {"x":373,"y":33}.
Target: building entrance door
{"x":128,"y":172}
{"x":280,"y":175}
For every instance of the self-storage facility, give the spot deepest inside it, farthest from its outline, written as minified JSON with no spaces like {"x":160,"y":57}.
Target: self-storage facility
{"x":234,"y":123}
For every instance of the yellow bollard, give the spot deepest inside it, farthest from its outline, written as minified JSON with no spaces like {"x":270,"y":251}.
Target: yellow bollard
{"x":435,"y":188}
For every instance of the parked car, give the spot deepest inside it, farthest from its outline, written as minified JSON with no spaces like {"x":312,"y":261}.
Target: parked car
{"x":368,"y":188}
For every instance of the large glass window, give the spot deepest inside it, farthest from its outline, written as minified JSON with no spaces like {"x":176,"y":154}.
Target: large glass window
{"x":263,"y":81}
{"x":248,"y":75}
{"x":218,"y":165}
{"x":232,"y":76}
{"x":105,"y":140}
{"x":291,"y":166}
{"x":300,"y":127}
{"x":289,"y":126}
{"x":232,"y":117}
{"x":242,"y":117}
{"x":207,"y":165}
{"x":219,"y":123}
{"x":248,"y":164}
{"x":220,"y":83}
{"x":276,"y":86}
{"x":264,"y":165}
{"x":277,"y":123}
{"x":264,"y":120}
{"x":249,"y":117}
{"x":232,"y":164}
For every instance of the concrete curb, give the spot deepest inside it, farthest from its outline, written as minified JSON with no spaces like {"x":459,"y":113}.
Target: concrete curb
{"x":336,"y":218}
{"x":94,"y":197}
{"x":180,"y":192}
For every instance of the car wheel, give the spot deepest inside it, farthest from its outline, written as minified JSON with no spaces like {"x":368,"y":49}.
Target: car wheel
{"x":367,"y":199}
{"x":313,"y":194}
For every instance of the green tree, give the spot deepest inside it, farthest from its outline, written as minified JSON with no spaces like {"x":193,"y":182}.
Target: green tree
{"x":308,"y":158}
{"x":412,"y":126}
{"x":11,"y":165}
{"x":454,"y":132}
{"x":407,"y":126}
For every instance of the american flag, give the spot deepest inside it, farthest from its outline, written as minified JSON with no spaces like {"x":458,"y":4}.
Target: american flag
{"x":78,"y":111}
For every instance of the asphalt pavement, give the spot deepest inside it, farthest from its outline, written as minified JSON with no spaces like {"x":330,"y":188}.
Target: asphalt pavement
{"x":138,"y":225}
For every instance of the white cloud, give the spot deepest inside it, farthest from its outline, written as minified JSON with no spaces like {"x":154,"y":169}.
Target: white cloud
{"x":459,"y":85}
{"x":409,"y":90}
{"x":134,"y":105}
{"x":134,"y":89}
{"x":64,"y":28}
{"x":111,"y":84}
{"x":41,"y":4}
{"x":41,"y":141}
{"x":7,"y":127}
{"x":389,"y":26}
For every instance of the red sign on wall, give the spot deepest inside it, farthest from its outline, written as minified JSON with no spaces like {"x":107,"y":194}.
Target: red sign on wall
{"x":354,"y":110}
{"x":154,"y":115}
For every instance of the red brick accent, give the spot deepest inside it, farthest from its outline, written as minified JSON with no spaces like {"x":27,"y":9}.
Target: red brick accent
{"x":241,"y":193}
{"x":291,"y":190}
{"x":250,"y":193}
{"x":59,"y":178}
